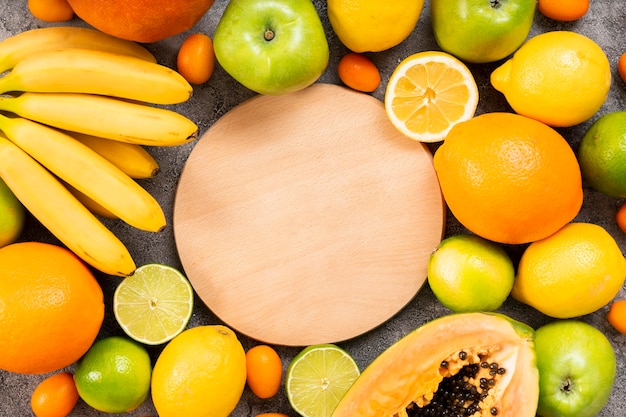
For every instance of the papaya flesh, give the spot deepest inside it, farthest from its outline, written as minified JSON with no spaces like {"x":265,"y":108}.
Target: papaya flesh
{"x":466,"y":364}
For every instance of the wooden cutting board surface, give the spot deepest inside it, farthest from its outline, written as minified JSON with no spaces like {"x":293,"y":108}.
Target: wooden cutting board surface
{"x":307,"y":218}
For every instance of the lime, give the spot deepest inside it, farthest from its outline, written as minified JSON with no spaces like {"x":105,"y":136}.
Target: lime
{"x":602,"y":154}
{"x":114,"y":375}
{"x":12,"y":215}
{"x":318,"y":377}
{"x":154,"y":304}
{"x":468,"y":273}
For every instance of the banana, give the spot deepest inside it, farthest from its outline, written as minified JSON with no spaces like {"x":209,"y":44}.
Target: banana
{"x":87,"y":171}
{"x":89,"y":203}
{"x":104,"y":117}
{"x":61,"y":213}
{"x":18,"y":47}
{"x":97,"y":72}
{"x":134,"y":160}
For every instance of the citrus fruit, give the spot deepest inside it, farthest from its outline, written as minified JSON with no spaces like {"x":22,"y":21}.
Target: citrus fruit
{"x":620,"y":217}
{"x":563,"y":10}
{"x":154,"y":304}
{"x":573,"y":272}
{"x":199,"y":373}
{"x":114,"y":375}
{"x":468,"y":273}
{"x":373,"y":26}
{"x":509,"y":178}
{"x":357,"y":71}
{"x":621,"y":66}
{"x":617,"y":315}
{"x":561,"y":78}
{"x":318,"y":377}
{"x":55,"y":396}
{"x":12,"y":215}
{"x":272,"y":415}
{"x":143,"y":21}
{"x":428,"y":93}
{"x":577,"y":369}
{"x":602,"y":154}
{"x":51,"y":10}
{"x":264,"y":371}
{"x":196,"y":59}
{"x":52,"y":307}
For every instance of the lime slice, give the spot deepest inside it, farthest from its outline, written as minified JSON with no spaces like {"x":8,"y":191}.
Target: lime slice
{"x":318,"y":377}
{"x":154,"y":304}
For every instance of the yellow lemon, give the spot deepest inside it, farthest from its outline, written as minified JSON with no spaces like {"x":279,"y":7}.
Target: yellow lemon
{"x":561,"y":78}
{"x":576,"y":271}
{"x":372,"y":25}
{"x":199,"y":373}
{"x":428,"y":94}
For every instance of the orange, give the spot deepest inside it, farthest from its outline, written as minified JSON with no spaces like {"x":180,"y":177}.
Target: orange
{"x":52,"y":307}
{"x":428,"y":93}
{"x":264,"y":371}
{"x":621,"y":66}
{"x":358,"y":72}
{"x":51,"y":10}
{"x":196,"y":58}
{"x":55,"y":396}
{"x":141,"y":20}
{"x":617,"y":315}
{"x":563,"y":10}
{"x":509,"y":178}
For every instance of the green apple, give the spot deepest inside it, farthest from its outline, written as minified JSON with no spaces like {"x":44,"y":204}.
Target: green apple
{"x":271,"y":46}
{"x":12,"y":215}
{"x":576,"y":369}
{"x":480,"y":31}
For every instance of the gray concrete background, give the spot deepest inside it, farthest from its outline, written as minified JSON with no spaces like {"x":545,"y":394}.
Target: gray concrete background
{"x":605,"y":23}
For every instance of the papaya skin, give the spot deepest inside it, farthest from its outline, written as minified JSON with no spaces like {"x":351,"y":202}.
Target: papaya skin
{"x":409,"y":371}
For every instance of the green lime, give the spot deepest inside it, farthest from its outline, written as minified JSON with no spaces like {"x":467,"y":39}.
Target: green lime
{"x":602,"y":154}
{"x":154,"y":304}
{"x":318,"y":377}
{"x":12,"y":215}
{"x":114,"y":375}
{"x":468,"y":273}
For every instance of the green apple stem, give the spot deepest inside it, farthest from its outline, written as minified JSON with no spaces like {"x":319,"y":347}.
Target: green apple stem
{"x":269,"y":35}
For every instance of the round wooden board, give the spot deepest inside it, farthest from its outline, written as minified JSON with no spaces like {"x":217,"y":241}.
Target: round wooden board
{"x":307,"y":218}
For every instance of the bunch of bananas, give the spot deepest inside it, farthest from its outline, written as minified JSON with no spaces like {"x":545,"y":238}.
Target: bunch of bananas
{"x":77,"y":107}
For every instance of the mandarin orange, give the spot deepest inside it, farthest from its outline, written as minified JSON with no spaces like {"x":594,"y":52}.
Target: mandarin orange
{"x":621,"y":66}
{"x":52,"y":307}
{"x":358,"y":72}
{"x":55,"y":396}
{"x":563,"y":10}
{"x":141,"y":20}
{"x":51,"y":10}
{"x":196,"y":58}
{"x":509,"y":178}
{"x":264,"y":371}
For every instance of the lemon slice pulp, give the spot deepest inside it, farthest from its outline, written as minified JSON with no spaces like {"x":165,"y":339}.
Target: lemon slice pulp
{"x":428,"y":93}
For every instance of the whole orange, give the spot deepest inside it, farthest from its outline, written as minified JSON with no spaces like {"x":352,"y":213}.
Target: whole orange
{"x":52,"y":307}
{"x":509,"y":178}
{"x":141,"y":20}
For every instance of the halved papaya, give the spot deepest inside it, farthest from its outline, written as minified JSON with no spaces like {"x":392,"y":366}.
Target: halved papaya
{"x":467,"y":364}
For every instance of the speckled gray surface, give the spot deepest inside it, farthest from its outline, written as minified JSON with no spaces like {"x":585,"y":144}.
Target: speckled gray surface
{"x":605,"y":23}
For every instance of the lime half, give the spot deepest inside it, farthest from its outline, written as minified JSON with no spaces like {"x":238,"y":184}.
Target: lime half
{"x":154,"y":304}
{"x":318,"y":377}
